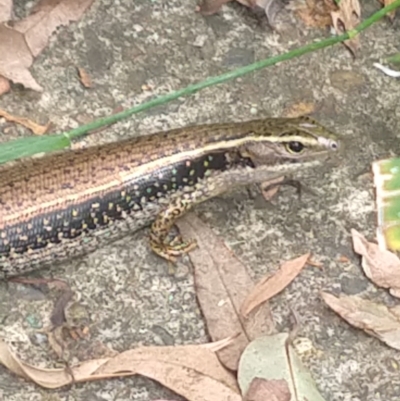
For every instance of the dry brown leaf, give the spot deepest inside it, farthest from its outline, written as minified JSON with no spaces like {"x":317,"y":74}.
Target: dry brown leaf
{"x":299,"y":109}
{"x":46,"y":17}
{"x":6,"y":7}
{"x":189,"y":370}
{"x":28,"y":37}
{"x":84,"y":77}
{"x":392,"y":14}
{"x":16,"y":58}
{"x":346,"y":19}
{"x":34,"y":127}
{"x":314,"y":13}
{"x":271,"y":390}
{"x":382,"y":267}
{"x":375,"y":319}
{"x":222,"y":283}
{"x":274,"y":359}
{"x":4,"y":85}
{"x":271,"y":285}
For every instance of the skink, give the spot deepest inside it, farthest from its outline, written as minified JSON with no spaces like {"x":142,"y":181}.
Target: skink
{"x":67,"y":204}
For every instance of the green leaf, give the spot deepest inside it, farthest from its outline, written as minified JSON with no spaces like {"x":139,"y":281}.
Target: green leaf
{"x":273,"y":359}
{"x":31,"y":145}
{"x":395,"y":59}
{"x":387,"y":183}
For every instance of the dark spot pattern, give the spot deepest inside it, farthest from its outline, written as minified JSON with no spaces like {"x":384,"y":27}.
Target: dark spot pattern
{"x":83,"y":218}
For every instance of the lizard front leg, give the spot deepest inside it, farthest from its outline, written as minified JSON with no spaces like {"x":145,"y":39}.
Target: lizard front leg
{"x":210,"y":187}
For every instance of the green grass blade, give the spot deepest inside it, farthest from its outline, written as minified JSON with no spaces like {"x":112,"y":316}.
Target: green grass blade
{"x":395,"y":59}
{"x":32,"y":145}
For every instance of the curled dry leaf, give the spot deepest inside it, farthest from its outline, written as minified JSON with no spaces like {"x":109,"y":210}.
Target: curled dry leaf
{"x":271,"y":285}
{"x":382,"y":267}
{"x":222,"y":283}
{"x":190,"y":371}
{"x":346,"y":19}
{"x":375,"y":319}
{"x":34,"y":127}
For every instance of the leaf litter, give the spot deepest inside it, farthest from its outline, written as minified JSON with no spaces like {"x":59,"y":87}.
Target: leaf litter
{"x":222,"y":283}
{"x":381,"y":266}
{"x":195,"y":372}
{"x":271,"y":285}
{"x":34,"y":127}
{"x":188,"y":370}
{"x":28,"y":37}
{"x":345,"y":19}
{"x":375,"y":319}
{"x":271,"y":364}
{"x":52,"y":13}
{"x":314,"y":13}
{"x":46,"y":17}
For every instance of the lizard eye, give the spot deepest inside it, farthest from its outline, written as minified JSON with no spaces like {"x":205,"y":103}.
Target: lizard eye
{"x":294,"y":147}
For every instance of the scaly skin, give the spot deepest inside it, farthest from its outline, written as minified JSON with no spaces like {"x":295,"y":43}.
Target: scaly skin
{"x":67,"y":204}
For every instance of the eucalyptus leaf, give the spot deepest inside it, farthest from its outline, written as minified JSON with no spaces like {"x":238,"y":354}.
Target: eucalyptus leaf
{"x":272,"y":359}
